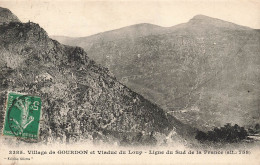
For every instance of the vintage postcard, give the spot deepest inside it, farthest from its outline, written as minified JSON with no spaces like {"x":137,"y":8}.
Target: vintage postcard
{"x":130,"y":82}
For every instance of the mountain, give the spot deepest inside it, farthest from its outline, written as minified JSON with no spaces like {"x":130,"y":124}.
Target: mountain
{"x":207,"y":22}
{"x":204,"y":72}
{"x":130,"y":32}
{"x":81,"y":100}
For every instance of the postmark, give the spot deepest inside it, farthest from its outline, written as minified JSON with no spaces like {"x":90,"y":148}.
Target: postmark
{"x":22,"y":116}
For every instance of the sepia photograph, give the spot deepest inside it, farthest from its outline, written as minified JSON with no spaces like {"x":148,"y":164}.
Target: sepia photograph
{"x":129,"y":82}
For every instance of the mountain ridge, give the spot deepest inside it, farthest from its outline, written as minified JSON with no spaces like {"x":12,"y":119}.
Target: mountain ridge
{"x":195,"y":19}
{"x":182,"y":62}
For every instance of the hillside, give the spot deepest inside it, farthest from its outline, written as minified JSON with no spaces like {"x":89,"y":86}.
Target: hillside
{"x":204,"y":72}
{"x":81,"y":100}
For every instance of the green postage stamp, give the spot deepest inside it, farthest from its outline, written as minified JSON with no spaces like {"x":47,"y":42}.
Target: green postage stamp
{"x":22,"y":116}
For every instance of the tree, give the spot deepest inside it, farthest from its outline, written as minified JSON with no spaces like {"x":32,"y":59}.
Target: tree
{"x":228,"y":133}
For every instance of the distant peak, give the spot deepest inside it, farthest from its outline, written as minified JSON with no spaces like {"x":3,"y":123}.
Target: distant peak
{"x":200,"y":16}
{"x":144,"y":25}
{"x":202,"y":20}
{"x":6,"y":16}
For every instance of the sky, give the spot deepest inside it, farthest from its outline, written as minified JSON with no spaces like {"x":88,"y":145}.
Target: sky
{"x":79,"y":18}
